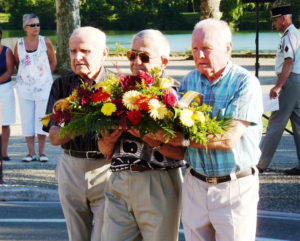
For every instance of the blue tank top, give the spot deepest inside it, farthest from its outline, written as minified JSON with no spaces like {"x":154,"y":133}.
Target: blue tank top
{"x":3,"y":63}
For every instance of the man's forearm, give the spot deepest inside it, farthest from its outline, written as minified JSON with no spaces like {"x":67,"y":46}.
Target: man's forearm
{"x":286,"y":71}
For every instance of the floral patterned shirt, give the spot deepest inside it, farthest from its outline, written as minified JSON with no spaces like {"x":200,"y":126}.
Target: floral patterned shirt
{"x":34,"y":77}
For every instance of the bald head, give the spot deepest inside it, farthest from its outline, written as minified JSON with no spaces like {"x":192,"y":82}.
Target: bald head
{"x":155,"y":46}
{"x":211,"y":46}
{"x":217,"y":29}
{"x":157,"y":40}
{"x":95,"y":35}
{"x":87,"y":51}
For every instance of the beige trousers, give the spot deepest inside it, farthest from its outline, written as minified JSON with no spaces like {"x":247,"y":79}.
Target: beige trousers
{"x":81,"y":185}
{"x":221,"y":212}
{"x":142,"y":206}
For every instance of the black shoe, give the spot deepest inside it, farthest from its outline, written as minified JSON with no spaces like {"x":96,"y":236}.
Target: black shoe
{"x":6,"y":158}
{"x":293,"y":171}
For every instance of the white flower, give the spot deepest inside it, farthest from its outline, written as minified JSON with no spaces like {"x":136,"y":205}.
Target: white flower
{"x":130,"y":98}
{"x":158,"y":110}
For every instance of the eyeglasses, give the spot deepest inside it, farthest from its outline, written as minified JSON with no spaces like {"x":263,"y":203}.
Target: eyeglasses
{"x":33,"y":25}
{"x":131,"y":55}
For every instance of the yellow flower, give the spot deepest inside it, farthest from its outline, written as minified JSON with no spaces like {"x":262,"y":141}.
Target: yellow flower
{"x":130,"y":98}
{"x":46,"y":119}
{"x":108,"y":108}
{"x":198,"y":116}
{"x":74,"y":95}
{"x":165,"y":83}
{"x":186,"y":117}
{"x":158,"y":110}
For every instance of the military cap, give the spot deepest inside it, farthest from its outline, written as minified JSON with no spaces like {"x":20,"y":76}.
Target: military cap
{"x":281,"y":7}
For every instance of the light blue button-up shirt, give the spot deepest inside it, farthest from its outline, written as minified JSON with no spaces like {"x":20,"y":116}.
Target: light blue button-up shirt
{"x":237,"y":93}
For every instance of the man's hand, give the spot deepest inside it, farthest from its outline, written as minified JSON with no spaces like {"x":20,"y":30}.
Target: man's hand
{"x":275,"y":92}
{"x":148,"y":138}
{"x":107,"y":142}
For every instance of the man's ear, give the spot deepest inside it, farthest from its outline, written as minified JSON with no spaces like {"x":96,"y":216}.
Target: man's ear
{"x":105,"y":52}
{"x":164,"y":62}
{"x":229,"y":48}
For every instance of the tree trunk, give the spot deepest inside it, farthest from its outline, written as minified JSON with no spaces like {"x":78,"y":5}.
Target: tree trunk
{"x":68,"y":18}
{"x":210,"y":9}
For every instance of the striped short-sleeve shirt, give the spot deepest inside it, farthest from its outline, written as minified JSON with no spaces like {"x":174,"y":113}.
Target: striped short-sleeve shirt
{"x":237,"y":93}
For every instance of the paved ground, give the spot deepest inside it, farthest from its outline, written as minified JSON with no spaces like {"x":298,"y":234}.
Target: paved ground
{"x":36,"y":181}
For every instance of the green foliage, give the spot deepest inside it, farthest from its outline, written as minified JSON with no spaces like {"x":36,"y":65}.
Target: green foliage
{"x":44,"y":9}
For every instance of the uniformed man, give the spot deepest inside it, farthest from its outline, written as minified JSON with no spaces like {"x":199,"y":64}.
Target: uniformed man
{"x":287,"y":88}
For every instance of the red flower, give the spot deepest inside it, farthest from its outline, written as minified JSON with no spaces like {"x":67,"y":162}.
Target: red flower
{"x":127,"y":82}
{"x":100,"y":96}
{"x":134,"y":116}
{"x":123,"y":122}
{"x":142,"y":103}
{"x":60,"y":117}
{"x":120,"y":106}
{"x":146,"y":77}
{"x":86,"y":96}
{"x":170,"y":99}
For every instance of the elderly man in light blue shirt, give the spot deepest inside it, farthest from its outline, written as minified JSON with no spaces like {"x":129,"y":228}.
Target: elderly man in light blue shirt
{"x":220,"y":192}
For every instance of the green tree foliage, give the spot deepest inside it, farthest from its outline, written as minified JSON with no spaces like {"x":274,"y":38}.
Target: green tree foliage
{"x":231,"y":10}
{"x":44,"y":9}
{"x":133,"y":14}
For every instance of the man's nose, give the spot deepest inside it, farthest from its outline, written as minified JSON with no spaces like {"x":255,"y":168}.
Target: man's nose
{"x":78,"y":55}
{"x":137,"y":60}
{"x":200,"y":53}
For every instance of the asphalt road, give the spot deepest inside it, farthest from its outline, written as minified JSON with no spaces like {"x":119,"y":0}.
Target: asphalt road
{"x":44,"y":221}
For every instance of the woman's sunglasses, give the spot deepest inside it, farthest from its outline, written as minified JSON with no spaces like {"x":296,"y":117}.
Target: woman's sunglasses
{"x":33,"y":25}
{"x":131,"y":55}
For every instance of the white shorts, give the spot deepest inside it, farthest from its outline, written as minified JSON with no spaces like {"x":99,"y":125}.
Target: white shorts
{"x":8,"y":106}
{"x":32,"y":111}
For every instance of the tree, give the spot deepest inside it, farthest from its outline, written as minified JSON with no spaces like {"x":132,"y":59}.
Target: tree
{"x":210,"y":9}
{"x":68,"y":18}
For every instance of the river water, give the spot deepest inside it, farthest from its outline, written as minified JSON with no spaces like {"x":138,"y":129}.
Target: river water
{"x":180,"y":41}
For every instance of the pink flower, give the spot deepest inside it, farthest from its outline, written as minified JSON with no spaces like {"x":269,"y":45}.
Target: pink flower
{"x":146,"y":77}
{"x":170,"y":99}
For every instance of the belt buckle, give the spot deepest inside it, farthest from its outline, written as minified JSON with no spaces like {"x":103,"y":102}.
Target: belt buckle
{"x":87,"y":155}
{"x":211,"y":180}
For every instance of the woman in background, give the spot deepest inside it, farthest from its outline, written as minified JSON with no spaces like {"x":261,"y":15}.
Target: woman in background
{"x":7,"y":97}
{"x":36,"y":60}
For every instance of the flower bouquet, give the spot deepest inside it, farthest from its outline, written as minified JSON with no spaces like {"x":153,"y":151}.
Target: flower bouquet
{"x":145,"y":102}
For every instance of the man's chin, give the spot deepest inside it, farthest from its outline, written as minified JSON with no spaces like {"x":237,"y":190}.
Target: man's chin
{"x":136,"y":72}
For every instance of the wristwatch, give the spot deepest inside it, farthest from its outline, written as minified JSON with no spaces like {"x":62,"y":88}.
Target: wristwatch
{"x":185,"y":142}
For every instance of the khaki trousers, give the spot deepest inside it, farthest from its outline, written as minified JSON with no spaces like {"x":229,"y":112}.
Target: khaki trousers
{"x":81,"y":185}
{"x":222,"y":212}
{"x":142,"y":206}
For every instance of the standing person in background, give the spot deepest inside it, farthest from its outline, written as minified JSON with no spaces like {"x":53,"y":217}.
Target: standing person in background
{"x":82,"y":170}
{"x":7,"y":96}
{"x":287,"y":88}
{"x":35,"y":60}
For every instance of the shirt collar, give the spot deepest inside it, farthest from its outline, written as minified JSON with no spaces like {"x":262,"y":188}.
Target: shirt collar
{"x":288,"y":28}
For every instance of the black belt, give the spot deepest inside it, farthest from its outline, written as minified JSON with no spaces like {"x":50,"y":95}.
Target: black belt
{"x":84,"y":154}
{"x":216,"y":180}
